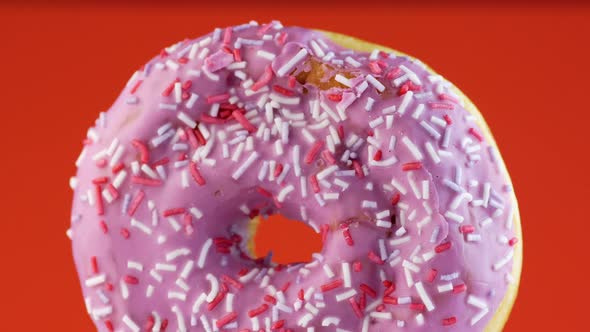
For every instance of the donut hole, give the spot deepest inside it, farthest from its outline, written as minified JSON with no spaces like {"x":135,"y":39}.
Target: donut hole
{"x":322,"y":75}
{"x":289,"y":241}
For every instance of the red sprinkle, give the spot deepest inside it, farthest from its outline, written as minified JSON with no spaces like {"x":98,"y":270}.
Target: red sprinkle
{"x":125,"y":233}
{"x":417,"y":306}
{"x":368,"y":290}
{"x":283,"y":91}
{"x":443,"y":247}
{"x":331,"y":285}
{"x":395,"y":199}
{"x":278,"y":324}
{"x":216,"y":300}
{"x":93,"y":265}
{"x":270,"y":299}
{"x":513,"y":241}
{"x":466,"y":229}
{"x":100,"y":180}
{"x":131,"y":280}
{"x":374,"y":258}
{"x":278,"y":170}
{"x":459,"y":288}
{"x":99,"y":202}
{"x":449,"y":321}
{"x":313,"y":152}
{"x":335,"y":97}
{"x":255,"y":312}
{"x":263,"y":192}
{"x":378,"y":155}
{"x":355,"y":307}
{"x":390,"y":300}
{"x":226,"y":319}
{"x":357,"y":266}
{"x":411,"y":166}
{"x":431,"y":275}
{"x":103,"y":227}
{"x":348,"y":237}
{"x":358,"y":169}
{"x":196,"y":174}
{"x":448,"y":119}
{"x":175,"y":211}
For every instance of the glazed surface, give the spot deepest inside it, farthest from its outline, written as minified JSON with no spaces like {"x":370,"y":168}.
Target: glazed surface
{"x":371,"y":150}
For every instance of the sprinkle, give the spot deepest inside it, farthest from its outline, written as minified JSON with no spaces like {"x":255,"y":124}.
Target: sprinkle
{"x":424,"y":296}
{"x":288,"y":66}
{"x":131,"y":324}
{"x":203,"y":254}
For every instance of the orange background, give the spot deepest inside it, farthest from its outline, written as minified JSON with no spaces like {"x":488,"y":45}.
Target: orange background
{"x":526,"y":68}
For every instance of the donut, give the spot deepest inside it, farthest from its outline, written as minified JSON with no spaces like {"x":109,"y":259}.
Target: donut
{"x":386,"y":160}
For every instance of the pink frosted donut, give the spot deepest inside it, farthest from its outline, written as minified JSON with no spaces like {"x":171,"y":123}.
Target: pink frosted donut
{"x":389,"y":162}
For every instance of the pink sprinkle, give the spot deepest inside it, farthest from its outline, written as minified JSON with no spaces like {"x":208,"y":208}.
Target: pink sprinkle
{"x":444,"y":96}
{"x":136,"y":86}
{"x":227,"y":35}
{"x":264,"y":79}
{"x":101,"y":163}
{"x":218,"y":60}
{"x":263,"y":29}
{"x":313,"y":180}
{"x":282,"y":38}
{"x":218,"y":98}
{"x":329,"y":157}
{"x":358,"y":169}
{"x":135,"y":203}
{"x":145,"y":181}
{"x":475,"y":134}
{"x":143,"y":150}
{"x":374,"y":67}
{"x":237,"y":114}
{"x":441,"y":106}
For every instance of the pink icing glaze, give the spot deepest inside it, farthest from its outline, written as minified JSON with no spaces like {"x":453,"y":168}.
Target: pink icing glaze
{"x":150,"y":198}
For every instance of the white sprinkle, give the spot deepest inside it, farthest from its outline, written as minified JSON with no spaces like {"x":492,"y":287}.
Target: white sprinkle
{"x":375,"y":83}
{"x":498,"y":265}
{"x":369,"y":104}
{"x":343,"y":80}
{"x":242,"y":169}
{"x":424,"y":296}
{"x":95,"y":281}
{"x":346,"y":274}
{"x":412,"y":148}
{"x":203,"y":254}
{"x":141,"y":226}
{"x":479,"y":316}
{"x":346,"y":295}
{"x":284,"y":192}
{"x":381,"y":315}
{"x":405,"y":102}
{"x":352,"y":62}
{"x":130,"y":324}
{"x":266,"y":55}
{"x":376,"y":122}
{"x":286,"y":68}
{"x":214,"y":287}
{"x":198,"y":302}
